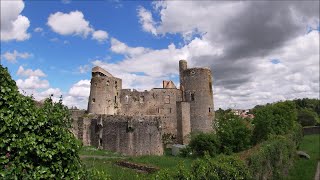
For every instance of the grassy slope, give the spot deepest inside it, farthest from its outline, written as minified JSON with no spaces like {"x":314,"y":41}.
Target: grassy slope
{"x":302,"y":168}
{"x":107,"y":164}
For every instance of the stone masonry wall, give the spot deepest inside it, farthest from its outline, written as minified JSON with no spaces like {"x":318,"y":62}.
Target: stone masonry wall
{"x":132,"y":135}
{"x":158,"y":102}
{"x":129,"y":135}
{"x":183,"y":124}
{"x":75,"y":115}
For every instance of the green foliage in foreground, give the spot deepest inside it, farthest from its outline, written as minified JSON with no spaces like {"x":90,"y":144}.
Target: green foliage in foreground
{"x":35,"y":143}
{"x":306,"y":168}
{"x":272,"y":158}
{"x":221,"y":167}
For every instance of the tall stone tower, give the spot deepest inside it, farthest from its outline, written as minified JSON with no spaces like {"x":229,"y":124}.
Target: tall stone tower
{"x":196,"y":87}
{"x":104,"y":92}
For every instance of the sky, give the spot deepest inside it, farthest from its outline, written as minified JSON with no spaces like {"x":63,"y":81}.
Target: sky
{"x":258,"y":51}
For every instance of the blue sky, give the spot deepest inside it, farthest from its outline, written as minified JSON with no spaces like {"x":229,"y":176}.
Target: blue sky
{"x":255,"y":56}
{"x":59,"y":56}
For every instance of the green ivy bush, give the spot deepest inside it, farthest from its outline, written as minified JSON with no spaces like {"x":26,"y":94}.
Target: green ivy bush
{"x":273,"y":119}
{"x":272,"y":158}
{"x":234,"y":133}
{"x":296,"y":134}
{"x":221,"y":167}
{"x":35,"y":143}
{"x":307,"y":117}
{"x":306,"y":103}
{"x":202,"y":143}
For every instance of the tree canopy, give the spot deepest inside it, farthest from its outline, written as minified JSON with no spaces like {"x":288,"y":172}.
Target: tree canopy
{"x":35,"y":142}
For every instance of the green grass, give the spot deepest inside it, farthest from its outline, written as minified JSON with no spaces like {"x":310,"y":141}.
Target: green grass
{"x":114,"y":171}
{"x":303,"y":168}
{"x":167,"y":161}
{"x":107,"y":164}
{"x":92,"y":151}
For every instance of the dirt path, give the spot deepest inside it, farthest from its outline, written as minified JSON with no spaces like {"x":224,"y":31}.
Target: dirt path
{"x":317,"y":175}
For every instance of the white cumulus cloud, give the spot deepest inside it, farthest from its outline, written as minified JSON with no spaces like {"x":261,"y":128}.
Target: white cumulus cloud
{"x":32,"y":82}
{"x":14,"y":26}
{"x":146,"y":20}
{"x":121,"y":48}
{"x":80,"y":89}
{"x":29,"y":72}
{"x":72,"y":23}
{"x":38,"y":29}
{"x":100,"y":35}
{"x":13,"y":56}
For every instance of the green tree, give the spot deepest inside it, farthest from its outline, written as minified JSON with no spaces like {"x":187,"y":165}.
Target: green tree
{"x":35,"y":143}
{"x":276,"y":119}
{"x":233,"y":132}
{"x":204,"y":142}
{"x":307,"y":117}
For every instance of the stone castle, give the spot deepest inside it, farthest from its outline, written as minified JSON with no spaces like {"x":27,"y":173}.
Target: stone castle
{"x":134,"y":123}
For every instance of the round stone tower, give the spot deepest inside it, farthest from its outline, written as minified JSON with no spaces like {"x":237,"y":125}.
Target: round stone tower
{"x":197,"y":83}
{"x":104,"y":92}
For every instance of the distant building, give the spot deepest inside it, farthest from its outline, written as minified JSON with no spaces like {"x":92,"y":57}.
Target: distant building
{"x":244,"y":113}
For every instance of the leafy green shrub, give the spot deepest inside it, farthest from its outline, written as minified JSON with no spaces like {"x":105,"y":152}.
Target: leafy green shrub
{"x":307,"y":117}
{"x":93,"y":174}
{"x":204,"y":142}
{"x":35,"y":143}
{"x":221,"y":167}
{"x":272,"y":158}
{"x":186,"y":152}
{"x":296,"y":134}
{"x":311,"y":104}
{"x":273,"y":119}
{"x":234,"y":133}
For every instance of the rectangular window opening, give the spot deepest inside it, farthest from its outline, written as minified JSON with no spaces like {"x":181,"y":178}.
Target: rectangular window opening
{"x":192,"y":96}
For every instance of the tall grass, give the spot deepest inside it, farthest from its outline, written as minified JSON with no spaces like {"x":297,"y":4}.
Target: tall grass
{"x":305,"y":168}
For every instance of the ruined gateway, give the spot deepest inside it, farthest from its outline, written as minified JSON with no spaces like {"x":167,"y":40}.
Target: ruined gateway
{"x":133,"y":122}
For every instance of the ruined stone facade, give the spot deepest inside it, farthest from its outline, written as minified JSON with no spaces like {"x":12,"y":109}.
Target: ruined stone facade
{"x":133,"y":122}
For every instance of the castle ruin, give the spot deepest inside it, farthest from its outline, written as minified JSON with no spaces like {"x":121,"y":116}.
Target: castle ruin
{"x":133,"y":122}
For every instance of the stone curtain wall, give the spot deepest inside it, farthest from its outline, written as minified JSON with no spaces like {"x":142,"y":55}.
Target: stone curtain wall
{"x":129,"y":135}
{"x":183,"y":124}
{"x":75,"y":115}
{"x":158,"y":102}
{"x":132,"y":135}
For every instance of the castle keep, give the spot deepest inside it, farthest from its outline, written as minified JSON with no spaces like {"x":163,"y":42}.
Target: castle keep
{"x":133,"y":122}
